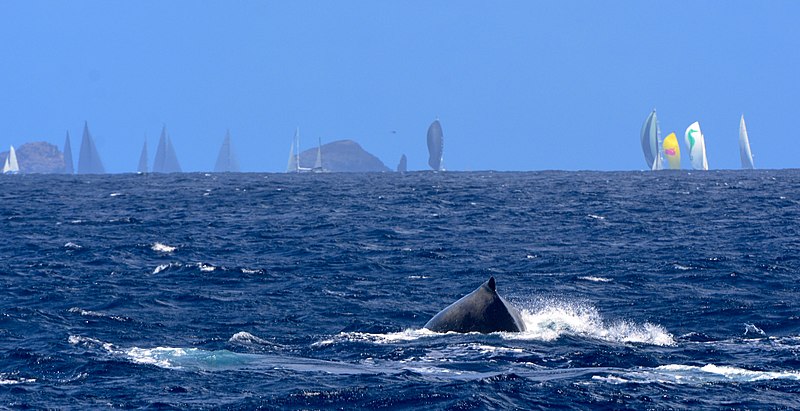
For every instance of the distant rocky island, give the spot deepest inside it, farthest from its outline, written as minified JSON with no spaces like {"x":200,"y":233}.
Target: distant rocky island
{"x":339,"y":156}
{"x":38,"y":158}
{"x":343,"y":156}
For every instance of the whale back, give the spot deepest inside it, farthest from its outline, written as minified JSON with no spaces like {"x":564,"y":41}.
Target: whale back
{"x":482,"y":310}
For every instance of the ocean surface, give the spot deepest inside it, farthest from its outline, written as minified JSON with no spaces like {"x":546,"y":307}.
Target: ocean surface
{"x":639,"y":290}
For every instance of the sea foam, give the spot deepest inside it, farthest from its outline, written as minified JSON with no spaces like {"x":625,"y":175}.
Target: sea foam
{"x":557,"y":319}
{"x":163,"y":248}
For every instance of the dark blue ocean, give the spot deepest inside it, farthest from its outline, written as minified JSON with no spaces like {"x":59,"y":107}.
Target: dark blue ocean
{"x":640,"y":290}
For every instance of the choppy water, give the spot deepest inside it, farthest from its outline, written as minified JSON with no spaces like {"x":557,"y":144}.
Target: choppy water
{"x":639,"y":290}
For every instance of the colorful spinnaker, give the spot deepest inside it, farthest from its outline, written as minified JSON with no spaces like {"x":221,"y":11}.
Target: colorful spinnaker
{"x":672,"y":151}
{"x":697,"y":147}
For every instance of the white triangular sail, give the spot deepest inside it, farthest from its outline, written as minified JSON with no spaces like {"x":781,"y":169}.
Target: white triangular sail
{"x":89,"y":159}
{"x":697,"y":147}
{"x":226,"y":160}
{"x":650,"y":136}
{"x":318,"y":162}
{"x":402,"y":166}
{"x":744,"y":146}
{"x":69,"y":167}
{"x":294,"y":155}
{"x":142,"y":168}
{"x":166,"y":160}
{"x":292,"y":164}
{"x":11,"y":165}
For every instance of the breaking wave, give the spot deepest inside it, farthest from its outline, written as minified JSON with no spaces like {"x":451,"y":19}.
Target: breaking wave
{"x":555,"y":320}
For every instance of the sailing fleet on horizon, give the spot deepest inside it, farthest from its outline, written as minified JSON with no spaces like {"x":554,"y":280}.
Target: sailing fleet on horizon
{"x":166,"y":160}
{"x":655,"y":149}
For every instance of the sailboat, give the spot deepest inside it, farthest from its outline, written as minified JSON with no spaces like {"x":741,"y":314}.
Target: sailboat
{"x":651,"y":133}
{"x":435,"y":146}
{"x":166,"y":161}
{"x":142,"y":168}
{"x":402,"y":166}
{"x":89,"y":160}
{"x":744,"y":146}
{"x":672,"y":151}
{"x":226,"y":161}
{"x":318,"y":162}
{"x":697,"y":147}
{"x":294,"y":155}
{"x":11,"y":165}
{"x":68,"y":164}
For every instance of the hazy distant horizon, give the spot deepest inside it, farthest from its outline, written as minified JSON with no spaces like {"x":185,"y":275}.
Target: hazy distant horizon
{"x":519,"y":86}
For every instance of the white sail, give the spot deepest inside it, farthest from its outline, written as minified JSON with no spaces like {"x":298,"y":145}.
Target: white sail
{"x":142,"y":168}
{"x":69,"y":167}
{"x":226,"y":160}
{"x":292,"y":164}
{"x":651,"y":136}
{"x":166,"y":161}
{"x":697,"y":147}
{"x":11,"y":165}
{"x":318,"y":163}
{"x":402,"y":166}
{"x":89,"y":159}
{"x":294,"y":155}
{"x":744,"y":146}
{"x":435,"y":146}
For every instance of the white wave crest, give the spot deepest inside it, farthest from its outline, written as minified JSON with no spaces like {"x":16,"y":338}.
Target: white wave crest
{"x":6,"y":379}
{"x":251,"y":271}
{"x":691,"y":374}
{"x":90,"y":342}
{"x":207,"y":268}
{"x":84,"y":312}
{"x":595,"y":279}
{"x":189,"y":358}
{"x":72,"y":246}
{"x":161,"y":268}
{"x":77,"y":339}
{"x":387,"y":338}
{"x":752,"y":329}
{"x":88,"y":313}
{"x":163,"y":357}
{"x":163,"y":248}
{"x":555,"y":320}
{"x":243,"y":337}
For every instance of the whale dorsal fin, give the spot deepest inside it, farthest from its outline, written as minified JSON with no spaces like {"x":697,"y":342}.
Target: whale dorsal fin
{"x":491,"y":283}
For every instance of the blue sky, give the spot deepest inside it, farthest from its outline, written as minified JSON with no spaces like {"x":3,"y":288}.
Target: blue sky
{"x":517,"y":85}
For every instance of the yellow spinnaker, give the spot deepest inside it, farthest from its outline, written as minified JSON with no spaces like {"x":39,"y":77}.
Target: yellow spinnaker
{"x":672,"y":151}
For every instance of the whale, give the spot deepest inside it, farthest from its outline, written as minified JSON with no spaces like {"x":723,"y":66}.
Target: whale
{"x":483,"y":311}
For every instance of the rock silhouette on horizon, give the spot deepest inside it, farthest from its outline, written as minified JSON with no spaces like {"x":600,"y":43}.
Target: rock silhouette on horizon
{"x":343,"y":156}
{"x":38,"y":158}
